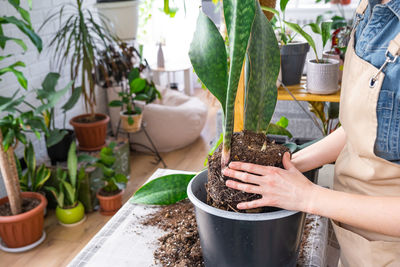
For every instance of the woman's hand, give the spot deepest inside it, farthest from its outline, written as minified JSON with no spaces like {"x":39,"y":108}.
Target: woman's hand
{"x":284,"y":188}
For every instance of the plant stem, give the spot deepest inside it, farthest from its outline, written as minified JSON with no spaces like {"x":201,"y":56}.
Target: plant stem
{"x":10,"y":178}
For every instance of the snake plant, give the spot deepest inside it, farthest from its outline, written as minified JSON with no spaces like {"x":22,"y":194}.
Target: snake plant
{"x":251,"y":42}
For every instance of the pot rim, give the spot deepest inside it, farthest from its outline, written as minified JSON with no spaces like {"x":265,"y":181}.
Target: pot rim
{"x":295,"y":43}
{"x":23,"y":216}
{"x":331,"y":61}
{"x":234,"y":215}
{"x":105,"y":120}
{"x":109,"y":197}
{"x":132,"y":115}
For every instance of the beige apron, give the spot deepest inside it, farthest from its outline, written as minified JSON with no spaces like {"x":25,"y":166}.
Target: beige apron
{"x":357,"y":168}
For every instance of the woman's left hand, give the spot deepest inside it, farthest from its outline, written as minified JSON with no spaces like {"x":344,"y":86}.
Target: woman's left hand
{"x":284,"y":188}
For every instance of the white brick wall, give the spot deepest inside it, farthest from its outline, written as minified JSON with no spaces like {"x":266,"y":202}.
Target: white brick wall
{"x":37,"y":65}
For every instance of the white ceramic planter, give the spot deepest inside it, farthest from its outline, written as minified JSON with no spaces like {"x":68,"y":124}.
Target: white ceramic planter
{"x":322,"y":78}
{"x":135,"y":126}
{"x":330,"y":55}
{"x":124,"y":17}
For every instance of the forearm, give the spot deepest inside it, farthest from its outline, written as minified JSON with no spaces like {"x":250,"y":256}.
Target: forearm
{"x":377,"y":214}
{"x":322,"y":152}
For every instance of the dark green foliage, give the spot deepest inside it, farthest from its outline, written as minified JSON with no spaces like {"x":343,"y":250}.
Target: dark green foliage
{"x":164,"y":190}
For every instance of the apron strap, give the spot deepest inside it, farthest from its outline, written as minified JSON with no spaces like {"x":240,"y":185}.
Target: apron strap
{"x":394,"y":46}
{"x":362,"y":7}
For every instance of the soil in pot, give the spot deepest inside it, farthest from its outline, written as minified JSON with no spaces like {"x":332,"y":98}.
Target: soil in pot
{"x":89,"y":119}
{"x":27,"y":205}
{"x":246,"y":147}
{"x":104,"y":193}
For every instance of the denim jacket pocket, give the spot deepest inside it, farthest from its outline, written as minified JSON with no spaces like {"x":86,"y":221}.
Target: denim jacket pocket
{"x":386,"y":144}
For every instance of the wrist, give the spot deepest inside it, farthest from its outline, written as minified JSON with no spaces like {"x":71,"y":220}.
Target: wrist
{"x":311,"y":205}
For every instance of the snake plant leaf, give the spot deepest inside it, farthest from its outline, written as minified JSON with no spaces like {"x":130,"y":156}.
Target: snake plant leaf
{"x":208,"y":56}
{"x":30,"y":159}
{"x":42,"y":175}
{"x":72,"y":163}
{"x":239,"y":16}
{"x":164,"y":190}
{"x":58,"y":195}
{"x":71,"y":192}
{"x":262,"y":69}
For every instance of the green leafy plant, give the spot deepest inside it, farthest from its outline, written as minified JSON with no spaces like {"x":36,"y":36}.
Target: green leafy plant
{"x":106,"y":164}
{"x":34,"y":177}
{"x":139,"y":90}
{"x":327,"y":113}
{"x":80,"y":40}
{"x":14,"y":123}
{"x":322,"y":28}
{"x":251,"y":39}
{"x":49,"y":97}
{"x":66,"y":191}
{"x":164,"y":190}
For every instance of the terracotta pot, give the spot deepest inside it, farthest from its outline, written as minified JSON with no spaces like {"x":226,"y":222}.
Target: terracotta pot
{"x":25,"y":228}
{"x":135,"y":126}
{"x":91,"y":136}
{"x":268,"y":3}
{"x":109,"y":205}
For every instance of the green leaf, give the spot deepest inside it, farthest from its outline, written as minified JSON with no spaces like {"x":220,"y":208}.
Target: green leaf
{"x":42,"y":175}
{"x":326,"y":32}
{"x":20,"y":76}
{"x":137,"y":85}
{"x":283,"y":4}
{"x":106,"y":158}
{"x":130,"y":120}
{"x":4,"y":39}
{"x":283,"y":122}
{"x":272,"y":10}
{"x":262,"y":69}
{"x":72,"y":163}
{"x":116,"y":103}
{"x":50,"y":82}
{"x":141,"y":97}
{"x":73,"y":99}
{"x":133,"y":74}
{"x":120,"y":178}
{"x":8,"y":139}
{"x":278,"y":130}
{"x":333,"y":110}
{"x":30,"y":159}
{"x":315,"y":28}
{"x":58,"y":195}
{"x":208,"y":56}
{"x":305,"y":35}
{"x":86,"y":158}
{"x":53,"y":97}
{"x":55,"y":136}
{"x":319,"y":19}
{"x":212,"y":150}
{"x":70,"y":190}
{"x":164,"y":190}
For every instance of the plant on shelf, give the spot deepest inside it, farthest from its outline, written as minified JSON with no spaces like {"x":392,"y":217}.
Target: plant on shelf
{"x":139,"y":89}
{"x":18,"y":228}
{"x":69,"y":209}
{"x":80,"y":40}
{"x":327,"y":113}
{"x":34,"y":177}
{"x":58,"y":140}
{"x":110,"y":196}
{"x":293,"y":53}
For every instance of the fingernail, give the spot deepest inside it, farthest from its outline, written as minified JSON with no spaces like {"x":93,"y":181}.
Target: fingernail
{"x":240,"y":206}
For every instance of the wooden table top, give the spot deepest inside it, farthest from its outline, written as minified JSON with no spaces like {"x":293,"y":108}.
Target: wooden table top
{"x":301,"y":94}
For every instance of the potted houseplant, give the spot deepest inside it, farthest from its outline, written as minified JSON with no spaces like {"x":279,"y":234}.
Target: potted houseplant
{"x":110,"y":196}
{"x":81,"y":40}
{"x":322,"y":74}
{"x":58,"y":141}
{"x":18,"y":227}
{"x":70,"y":211}
{"x":269,"y":237}
{"x":138,"y":89}
{"x":118,"y":14}
{"x":293,"y":53}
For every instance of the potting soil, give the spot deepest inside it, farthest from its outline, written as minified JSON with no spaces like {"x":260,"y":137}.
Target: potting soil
{"x":248,"y":147}
{"x":27,"y":205}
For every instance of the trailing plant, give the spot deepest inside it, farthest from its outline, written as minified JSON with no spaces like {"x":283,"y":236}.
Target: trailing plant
{"x":139,"y":90}
{"x":14,"y":122}
{"x":251,"y":40}
{"x":80,"y":40}
{"x":34,"y":177}
{"x":68,"y":181}
{"x":113,"y":181}
{"x":49,"y":97}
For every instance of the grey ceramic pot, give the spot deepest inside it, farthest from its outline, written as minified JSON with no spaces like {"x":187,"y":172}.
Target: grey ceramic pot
{"x":293,"y":57}
{"x":240,"y":239}
{"x":322,"y":78}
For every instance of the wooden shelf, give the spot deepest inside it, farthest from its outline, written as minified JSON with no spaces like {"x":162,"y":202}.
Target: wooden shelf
{"x":300,"y":93}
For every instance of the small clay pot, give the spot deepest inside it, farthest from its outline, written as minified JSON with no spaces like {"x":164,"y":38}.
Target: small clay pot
{"x":109,"y":205}
{"x":26,"y":228}
{"x":70,"y":216}
{"x":91,"y":136}
{"x":135,"y":126}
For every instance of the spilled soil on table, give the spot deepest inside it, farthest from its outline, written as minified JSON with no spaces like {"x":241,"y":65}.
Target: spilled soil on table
{"x":248,"y":147}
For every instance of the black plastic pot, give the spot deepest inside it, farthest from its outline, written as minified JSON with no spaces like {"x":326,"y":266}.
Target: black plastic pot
{"x":293,"y":57}
{"x":59,"y":151}
{"x":240,"y":239}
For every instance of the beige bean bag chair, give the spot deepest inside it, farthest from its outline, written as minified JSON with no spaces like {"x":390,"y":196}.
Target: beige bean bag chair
{"x":173,"y":122}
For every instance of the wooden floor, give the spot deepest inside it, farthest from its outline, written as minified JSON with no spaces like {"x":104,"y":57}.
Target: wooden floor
{"x":62,"y":243}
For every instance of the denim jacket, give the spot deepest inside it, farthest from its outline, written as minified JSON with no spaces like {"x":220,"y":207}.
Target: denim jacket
{"x":377,"y":27}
